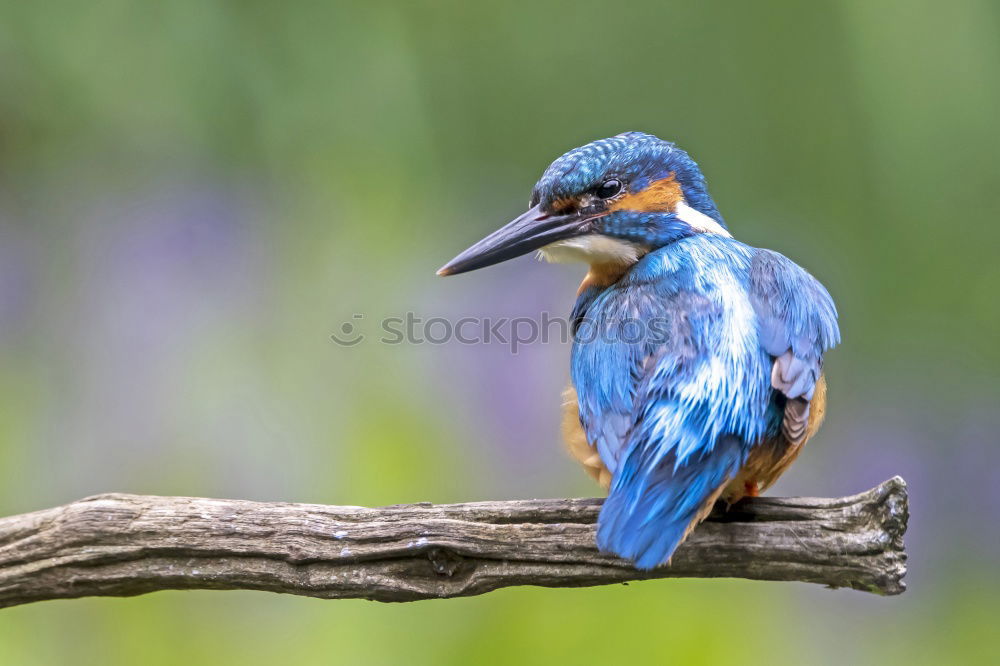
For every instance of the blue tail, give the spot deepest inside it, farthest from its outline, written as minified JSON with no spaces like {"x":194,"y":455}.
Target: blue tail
{"x":653,"y":500}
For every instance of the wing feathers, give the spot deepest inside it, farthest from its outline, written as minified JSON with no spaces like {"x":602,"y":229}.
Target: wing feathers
{"x":795,"y":423}
{"x":793,"y":376}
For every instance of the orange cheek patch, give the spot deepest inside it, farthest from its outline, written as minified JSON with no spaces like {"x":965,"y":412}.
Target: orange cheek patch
{"x":662,"y":196}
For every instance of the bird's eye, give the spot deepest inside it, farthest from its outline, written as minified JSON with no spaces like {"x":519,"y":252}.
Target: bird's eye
{"x":609,"y":188}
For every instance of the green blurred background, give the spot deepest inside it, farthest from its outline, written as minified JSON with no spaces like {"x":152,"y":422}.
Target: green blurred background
{"x":195,"y":195}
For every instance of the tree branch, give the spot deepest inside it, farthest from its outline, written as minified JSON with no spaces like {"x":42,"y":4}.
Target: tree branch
{"x":123,"y":545}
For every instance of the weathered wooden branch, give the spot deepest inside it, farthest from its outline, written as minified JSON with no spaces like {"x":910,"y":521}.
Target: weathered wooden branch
{"x":122,"y":545}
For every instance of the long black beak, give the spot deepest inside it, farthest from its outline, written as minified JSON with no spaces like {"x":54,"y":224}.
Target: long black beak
{"x":528,"y":232}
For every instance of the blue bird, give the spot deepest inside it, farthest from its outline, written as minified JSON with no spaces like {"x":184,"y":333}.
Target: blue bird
{"x":697,"y":360}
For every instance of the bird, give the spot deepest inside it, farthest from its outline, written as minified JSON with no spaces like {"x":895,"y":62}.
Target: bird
{"x":697,"y":360}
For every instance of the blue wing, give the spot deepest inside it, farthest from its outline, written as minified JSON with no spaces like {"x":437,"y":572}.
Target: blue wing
{"x":797,"y":323}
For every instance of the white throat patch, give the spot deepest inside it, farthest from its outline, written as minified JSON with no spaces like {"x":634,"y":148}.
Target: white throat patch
{"x":592,"y":249}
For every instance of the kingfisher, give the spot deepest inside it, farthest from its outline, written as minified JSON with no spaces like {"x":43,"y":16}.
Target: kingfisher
{"x":697,"y":360}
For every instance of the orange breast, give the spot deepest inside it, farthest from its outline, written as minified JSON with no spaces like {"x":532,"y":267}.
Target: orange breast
{"x":576,"y":440}
{"x":602,"y":275}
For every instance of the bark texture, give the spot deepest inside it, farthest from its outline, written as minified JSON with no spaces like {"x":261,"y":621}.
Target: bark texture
{"x":123,"y":545}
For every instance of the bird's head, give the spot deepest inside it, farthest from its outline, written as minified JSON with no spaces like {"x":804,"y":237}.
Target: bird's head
{"x":608,"y":202}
